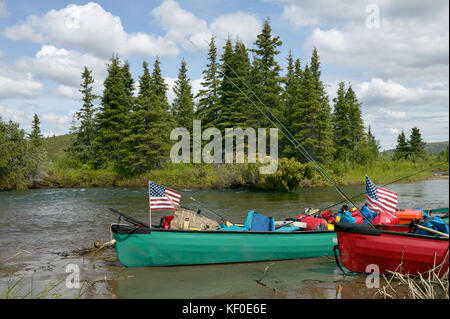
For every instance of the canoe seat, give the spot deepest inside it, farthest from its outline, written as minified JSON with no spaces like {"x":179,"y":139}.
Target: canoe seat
{"x":288,"y":228}
{"x":233,"y":228}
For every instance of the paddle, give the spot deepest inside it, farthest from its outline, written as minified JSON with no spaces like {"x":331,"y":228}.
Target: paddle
{"x":432,"y":231}
{"x":414,"y":226}
{"x":129,"y":219}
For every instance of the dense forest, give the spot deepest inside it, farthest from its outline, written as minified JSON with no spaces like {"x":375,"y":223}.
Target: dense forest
{"x":125,"y":133}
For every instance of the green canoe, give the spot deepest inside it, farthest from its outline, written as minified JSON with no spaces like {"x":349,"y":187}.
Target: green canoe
{"x":139,"y":247}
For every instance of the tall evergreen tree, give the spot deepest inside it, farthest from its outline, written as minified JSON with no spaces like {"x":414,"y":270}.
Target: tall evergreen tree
{"x":416,"y":144}
{"x":291,"y":96}
{"x":402,"y":150}
{"x":355,"y":117}
{"x":240,"y":107}
{"x":324,"y":124}
{"x":227,"y":89}
{"x":208,"y":97}
{"x":183,"y":104}
{"x":36,"y":150}
{"x":147,"y":144}
{"x":81,"y":147}
{"x":112,"y":120}
{"x":266,"y":78}
{"x":305,"y":116}
{"x":35,"y":136}
{"x":341,"y":124}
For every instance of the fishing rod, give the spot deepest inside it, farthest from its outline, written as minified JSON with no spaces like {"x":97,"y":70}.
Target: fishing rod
{"x":288,"y":135}
{"x":390,"y":183}
{"x":292,"y":139}
{"x":203,"y":206}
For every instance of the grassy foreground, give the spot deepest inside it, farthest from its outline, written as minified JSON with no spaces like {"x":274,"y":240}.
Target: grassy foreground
{"x":290,"y":175}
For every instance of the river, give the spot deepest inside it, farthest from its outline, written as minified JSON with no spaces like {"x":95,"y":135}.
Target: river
{"x":40,"y":229}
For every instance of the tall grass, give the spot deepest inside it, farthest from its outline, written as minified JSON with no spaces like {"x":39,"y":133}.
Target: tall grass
{"x":290,"y":175}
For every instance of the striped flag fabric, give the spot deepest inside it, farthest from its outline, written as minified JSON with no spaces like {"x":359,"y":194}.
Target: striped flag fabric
{"x":379,"y":199}
{"x":162,"y":198}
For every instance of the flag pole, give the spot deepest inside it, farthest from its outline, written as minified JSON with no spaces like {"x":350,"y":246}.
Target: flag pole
{"x":149,"y":207}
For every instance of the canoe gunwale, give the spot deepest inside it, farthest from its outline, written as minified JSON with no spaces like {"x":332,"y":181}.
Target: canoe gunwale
{"x":367,"y":230}
{"x":126,"y":229}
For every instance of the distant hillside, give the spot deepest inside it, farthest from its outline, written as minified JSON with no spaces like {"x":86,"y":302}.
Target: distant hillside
{"x":436,"y":148}
{"x":431,"y":148}
{"x":56,"y":145}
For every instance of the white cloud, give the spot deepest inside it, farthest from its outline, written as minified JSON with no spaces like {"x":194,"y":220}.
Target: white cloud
{"x":63,"y":66}
{"x":394,"y":114}
{"x":69,"y":92}
{"x":51,"y":123}
{"x":18,"y":116}
{"x":14,"y":83}
{"x":239,"y":24}
{"x":411,"y":42}
{"x":89,"y":28}
{"x":378,"y":92}
{"x":192,"y":32}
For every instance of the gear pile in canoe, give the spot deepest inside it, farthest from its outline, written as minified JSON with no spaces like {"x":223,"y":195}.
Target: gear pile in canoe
{"x":186,"y":237}
{"x":409,"y":241}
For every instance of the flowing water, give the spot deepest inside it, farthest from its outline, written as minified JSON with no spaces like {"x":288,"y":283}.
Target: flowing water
{"x":41,"y":229}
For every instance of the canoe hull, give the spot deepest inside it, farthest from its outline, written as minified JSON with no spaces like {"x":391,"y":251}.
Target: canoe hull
{"x":175,"y":247}
{"x":360,"y":247}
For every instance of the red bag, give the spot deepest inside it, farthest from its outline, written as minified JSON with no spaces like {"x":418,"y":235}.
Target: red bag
{"x":326,"y":214}
{"x":386,"y":219}
{"x":311,"y":222}
{"x":357,"y":216}
{"x":166,"y":221}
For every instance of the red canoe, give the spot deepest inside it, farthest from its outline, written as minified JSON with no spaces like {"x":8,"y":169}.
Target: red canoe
{"x":361,"y":246}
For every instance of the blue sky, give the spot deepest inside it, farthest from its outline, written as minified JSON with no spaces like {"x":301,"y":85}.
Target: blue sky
{"x":393,"y":52}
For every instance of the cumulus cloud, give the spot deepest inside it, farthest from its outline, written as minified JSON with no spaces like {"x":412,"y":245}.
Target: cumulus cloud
{"x":89,"y":28}
{"x":191,"y":32}
{"x":411,"y":40}
{"x":14,"y":83}
{"x":378,"y":92}
{"x":51,"y":123}
{"x":69,"y":92}
{"x":63,"y":66}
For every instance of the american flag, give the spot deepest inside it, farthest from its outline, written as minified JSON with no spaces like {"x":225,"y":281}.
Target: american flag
{"x":162,"y":197}
{"x":379,"y":199}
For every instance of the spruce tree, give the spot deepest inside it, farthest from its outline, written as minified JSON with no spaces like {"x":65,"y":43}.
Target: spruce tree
{"x":324,"y":149}
{"x":81,"y":147}
{"x":35,"y":136}
{"x":402,"y":149}
{"x":240,"y":105}
{"x":36,"y":150}
{"x":183,"y":104}
{"x":305,"y":116}
{"x":355,"y":118}
{"x":147,"y":144}
{"x":227,"y":89}
{"x":416,"y":144}
{"x":341,"y":125}
{"x":291,"y":97}
{"x":208,"y":97}
{"x":112,"y":120}
{"x":266,"y":78}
